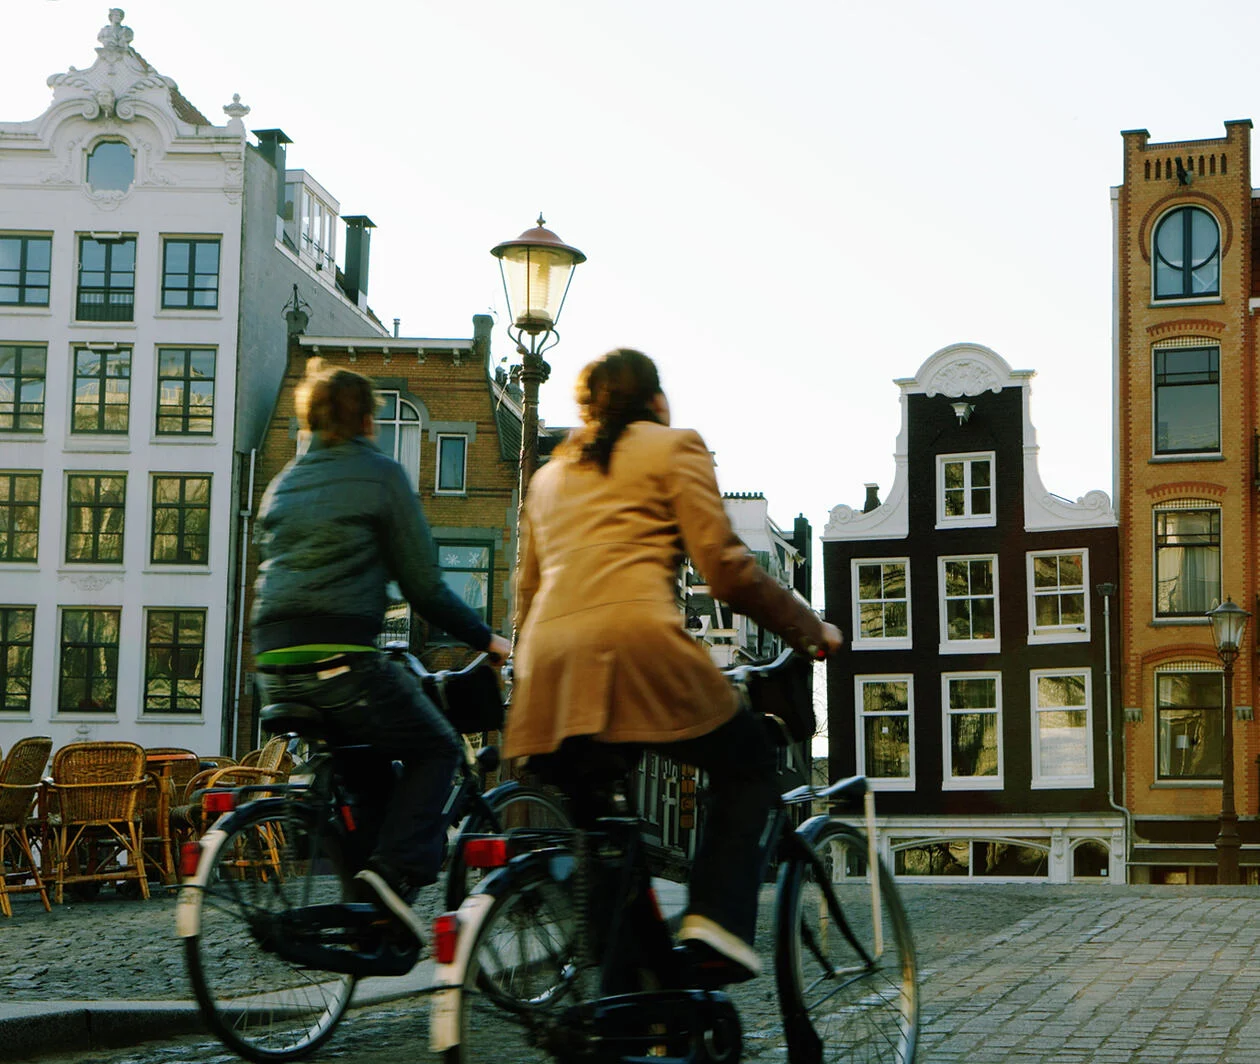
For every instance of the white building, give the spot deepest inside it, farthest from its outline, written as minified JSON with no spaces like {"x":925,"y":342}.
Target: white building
{"x":135,"y":379}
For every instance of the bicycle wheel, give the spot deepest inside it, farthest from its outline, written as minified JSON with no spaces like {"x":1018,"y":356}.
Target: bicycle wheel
{"x":862,"y":1002}
{"x":523,"y":972}
{"x":516,"y":807}
{"x":261,"y":1005}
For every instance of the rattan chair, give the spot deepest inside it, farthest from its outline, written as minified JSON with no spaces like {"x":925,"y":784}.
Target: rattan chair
{"x":20,"y":776}
{"x":162,"y":833}
{"x":271,"y":763}
{"x":98,"y":789}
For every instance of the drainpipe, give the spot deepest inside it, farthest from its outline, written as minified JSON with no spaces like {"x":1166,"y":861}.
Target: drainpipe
{"x":229,"y":730}
{"x":1107,"y":591}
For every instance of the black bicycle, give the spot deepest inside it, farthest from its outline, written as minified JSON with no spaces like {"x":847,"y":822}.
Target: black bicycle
{"x":273,"y":944}
{"x":532,"y":965}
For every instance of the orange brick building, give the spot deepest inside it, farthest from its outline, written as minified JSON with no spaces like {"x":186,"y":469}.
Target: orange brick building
{"x":455,"y":428}
{"x":1186,"y":414}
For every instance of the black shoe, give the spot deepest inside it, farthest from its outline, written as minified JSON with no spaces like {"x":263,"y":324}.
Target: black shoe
{"x":394,"y":899}
{"x":707,"y":969}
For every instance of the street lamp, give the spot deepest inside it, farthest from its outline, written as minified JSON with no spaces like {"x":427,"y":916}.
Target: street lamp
{"x":1229,"y":621}
{"x":537,"y":268}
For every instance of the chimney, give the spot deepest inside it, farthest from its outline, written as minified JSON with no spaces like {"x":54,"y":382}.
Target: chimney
{"x":397,"y":322}
{"x":872,"y":498}
{"x":803,"y":541}
{"x":271,"y":146}
{"x":358,"y":248}
{"x":483,"y":326}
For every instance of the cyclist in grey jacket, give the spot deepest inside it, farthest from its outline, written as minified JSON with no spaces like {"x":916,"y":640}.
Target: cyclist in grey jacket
{"x":335,"y":527}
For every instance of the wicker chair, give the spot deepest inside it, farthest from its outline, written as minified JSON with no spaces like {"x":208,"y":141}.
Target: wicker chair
{"x":20,"y":775}
{"x":161,"y":839}
{"x":269,"y":764}
{"x":98,"y":790}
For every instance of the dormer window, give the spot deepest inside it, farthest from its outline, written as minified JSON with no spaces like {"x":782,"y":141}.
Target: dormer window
{"x":111,"y":167}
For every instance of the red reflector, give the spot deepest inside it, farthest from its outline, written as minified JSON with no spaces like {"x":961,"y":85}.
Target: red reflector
{"x":189,"y":858}
{"x":445,"y":937}
{"x":219,"y":801}
{"x":347,"y":817}
{"x":491,"y":852}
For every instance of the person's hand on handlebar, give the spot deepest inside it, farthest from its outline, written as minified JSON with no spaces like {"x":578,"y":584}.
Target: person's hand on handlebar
{"x":832,"y":641}
{"x":499,"y":650}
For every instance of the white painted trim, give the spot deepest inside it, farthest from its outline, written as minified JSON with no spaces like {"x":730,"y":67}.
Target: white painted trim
{"x":968,"y":646}
{"x":950,"y":782}
{"x":1040,"y":782}
{"x":859,"y":642}
{"x":1061,"y":634}
{"x":883,"y":783}
{"x":968,"y":519}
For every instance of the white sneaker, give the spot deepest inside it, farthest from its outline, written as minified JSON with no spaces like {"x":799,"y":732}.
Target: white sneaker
{"x":389,"y":900}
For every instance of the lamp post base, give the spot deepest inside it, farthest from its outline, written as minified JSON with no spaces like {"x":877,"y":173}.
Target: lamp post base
{"x":1227,"y":847}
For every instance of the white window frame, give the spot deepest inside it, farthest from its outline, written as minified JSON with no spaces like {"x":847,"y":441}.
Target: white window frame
{"x":1057,"y":633}
{"x":967,"y":519}
{"x":861,"y":642}
{"x":883,"y":783}
{"x":399,"y":423}
{"x":437,"y":472}
{"x":1040,"y":782}
{"x":968,"y":646}
{"x":950,"y":782}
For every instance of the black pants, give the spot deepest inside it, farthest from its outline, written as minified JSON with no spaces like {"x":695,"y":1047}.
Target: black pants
{"x":739,"y":759}
{"x":378,"y":703}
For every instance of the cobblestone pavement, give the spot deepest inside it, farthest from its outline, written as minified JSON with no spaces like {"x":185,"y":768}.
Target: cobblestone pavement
{"x":1012,"y":974}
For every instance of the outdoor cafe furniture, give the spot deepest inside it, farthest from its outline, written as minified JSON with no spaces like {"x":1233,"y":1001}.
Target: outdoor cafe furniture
{"x":96,"y":794}
{"x":20,"y":775}
{"x":269,"y":764}
{"x":171,"y":768}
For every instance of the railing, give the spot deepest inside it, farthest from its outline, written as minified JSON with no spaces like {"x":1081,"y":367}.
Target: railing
{"x":104,"y":304}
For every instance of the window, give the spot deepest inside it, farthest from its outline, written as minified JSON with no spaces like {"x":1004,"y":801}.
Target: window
{"x":181,"y":520}
{"x":969,"y":610}
{"x":451,"y":460}
{"x":398,"y":434}
{"x":964,"y":489}
{"x":22,"y":369}
{"x":175,"y":651}
{"x":25,"y":270}
{"x":89,"y":661}
{"x":1187,"y":400}
{"x":111,"y":167}
{"x":1061,"y":734}
{"x":190,"y":274}
{"x":1187,"y":257}
{"x":467,"y":569}
{"x":17,"y":653}
{"x":973,"y":730}
{"x":94,"y":517}
{"x":881,"y":603}
{"x":972,"y":858}
{"x":1191,"y":724}
{"x":19,"y":517}
{"x":185,"y":391}
{"x":884,"y":718}
{"x":107,"y":279}
{"x":1058,"y":608}
{"x":1187,"y":562}
{"x":102,"y":390}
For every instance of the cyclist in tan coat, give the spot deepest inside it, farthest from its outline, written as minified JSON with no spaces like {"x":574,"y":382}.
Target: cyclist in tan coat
{"x":602,"y":654}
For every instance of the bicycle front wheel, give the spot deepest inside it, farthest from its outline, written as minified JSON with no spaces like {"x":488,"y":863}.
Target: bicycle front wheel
{"x":516,"y":807}
{"x":263,"y":1006}
{"x":857,"y":989}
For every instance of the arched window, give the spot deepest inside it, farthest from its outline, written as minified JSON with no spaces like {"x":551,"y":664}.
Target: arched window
{"x":398,"y":434}
{"x":1187,"y":255}
{"x":111,"y":167}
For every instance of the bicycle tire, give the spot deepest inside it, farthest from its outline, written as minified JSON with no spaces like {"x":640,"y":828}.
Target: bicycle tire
{"x":860,"y":1008}
{"x":522,"y":972}
{"x":515,"y":806}
{"x":272,"y":860}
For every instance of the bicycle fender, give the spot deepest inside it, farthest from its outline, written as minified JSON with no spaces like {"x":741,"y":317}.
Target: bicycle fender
{"x":444,"y":1009}
{"x":813,"y":826}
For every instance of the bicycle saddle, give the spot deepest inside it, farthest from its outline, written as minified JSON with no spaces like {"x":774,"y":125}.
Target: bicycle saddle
{"x":280,"y":718}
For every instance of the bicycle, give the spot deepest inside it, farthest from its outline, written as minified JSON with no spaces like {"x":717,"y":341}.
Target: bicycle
{"x":526,"y":964}
{"x":273,"y":944}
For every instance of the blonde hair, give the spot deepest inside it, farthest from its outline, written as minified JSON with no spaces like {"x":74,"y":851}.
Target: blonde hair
{"x":333,"y":401}
{"x":612,"y":392}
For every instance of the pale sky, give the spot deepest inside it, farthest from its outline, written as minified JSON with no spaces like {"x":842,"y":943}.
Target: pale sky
{"x":787,"y":205}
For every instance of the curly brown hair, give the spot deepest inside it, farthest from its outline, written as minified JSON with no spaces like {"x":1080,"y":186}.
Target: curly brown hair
{"x":612,"y":392}
{"x":333,"y":401}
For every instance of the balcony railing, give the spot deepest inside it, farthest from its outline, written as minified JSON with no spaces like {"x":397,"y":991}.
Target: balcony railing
{"x":104,"y":304}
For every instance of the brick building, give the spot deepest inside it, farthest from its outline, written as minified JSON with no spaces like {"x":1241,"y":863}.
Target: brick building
{"x":1186,"y":474}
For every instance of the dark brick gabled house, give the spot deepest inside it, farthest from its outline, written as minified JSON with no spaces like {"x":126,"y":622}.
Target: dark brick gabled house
{"x":975,"y":693}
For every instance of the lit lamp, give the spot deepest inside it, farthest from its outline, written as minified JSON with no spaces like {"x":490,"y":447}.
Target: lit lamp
{"x":537,"y":268}
{"x":1229,"y":622}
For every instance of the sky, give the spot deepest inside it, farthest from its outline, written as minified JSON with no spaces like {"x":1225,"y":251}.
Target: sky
{"x":787,"y":205}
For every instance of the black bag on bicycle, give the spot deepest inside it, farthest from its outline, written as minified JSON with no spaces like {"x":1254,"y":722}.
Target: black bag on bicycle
{"x":782,"y":689}
{"x":469,"y":698}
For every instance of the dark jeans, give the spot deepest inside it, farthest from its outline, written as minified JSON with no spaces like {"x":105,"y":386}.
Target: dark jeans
{"x":739,"y":759}
{"x":378,"y":703}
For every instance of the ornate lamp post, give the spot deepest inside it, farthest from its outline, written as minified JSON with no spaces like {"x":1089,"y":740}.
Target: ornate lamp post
{"x":537,"y":268}
{"x":1229,"y":622}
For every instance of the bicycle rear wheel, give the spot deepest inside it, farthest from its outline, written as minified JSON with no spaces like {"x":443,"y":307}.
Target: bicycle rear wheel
{"x":523,"y":972}
{"x":516,"y":808}
{"x":861,"y":1001}
{"x":261,"y":1005}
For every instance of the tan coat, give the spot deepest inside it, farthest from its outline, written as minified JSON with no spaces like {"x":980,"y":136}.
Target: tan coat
{"x":601,"y":648}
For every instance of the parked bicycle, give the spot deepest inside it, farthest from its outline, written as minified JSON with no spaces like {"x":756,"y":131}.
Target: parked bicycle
{"x":563,"y":954}
{"x":273,"y":944}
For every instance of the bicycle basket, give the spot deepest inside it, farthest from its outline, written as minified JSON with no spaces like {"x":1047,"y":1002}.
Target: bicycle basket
{"x":470,"y":699}
{"x":783,"y":689}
